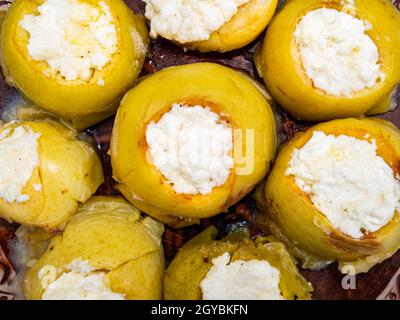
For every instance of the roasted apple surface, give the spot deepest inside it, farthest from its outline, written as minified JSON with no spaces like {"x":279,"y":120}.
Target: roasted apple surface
{"x":210,"y":25}
{"x":79,"y":66}
{"x":46,"y":173}
{"x":107,"y":251}
{"x":190,"y":141}
{"x":246,"y":25}
{"x":323,"y":60}
{"x":347,"y":211}
{"x":266,"y":270}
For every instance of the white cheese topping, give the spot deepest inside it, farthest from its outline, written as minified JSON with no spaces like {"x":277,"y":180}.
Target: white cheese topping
{"x":19,"y":156}
{"x":189,"y":20}
{"x":346,"y":181}
{"x":241,"y":280}
{"x":73,"y":37}
{"x":192,"y":148}
{"x":337,"y":54}
{"x":81,"y":282}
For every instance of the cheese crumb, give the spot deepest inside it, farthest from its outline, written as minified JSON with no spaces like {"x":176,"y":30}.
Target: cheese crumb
{"x":73,"y":37}
{"x":189,"y":20}
{"x":81,"y":282}
{"x":192,"y":147}
{"x":37,"y":187}
{"x":241,"y":280}
{"x":19,"y":156}
{"x":346,"y":181}
{"x":337,"y":54}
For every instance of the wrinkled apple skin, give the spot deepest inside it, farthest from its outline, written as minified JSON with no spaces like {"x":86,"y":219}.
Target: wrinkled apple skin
{"x":279,"y":63}
{"x":245,"y":26}
{"x":69,"y":172}
{"x":293,"y":219}
{"x":110,"y":234}
{"x":193,"y":261}
{"x":83,"y":103}
{"x":222,"y":89}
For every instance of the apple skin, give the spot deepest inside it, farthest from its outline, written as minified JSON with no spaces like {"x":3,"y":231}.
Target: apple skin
{"x":111,"y":235}
{"x":291,"y":217}
{"x":229,"y":93}
{"x":69,"y":173}
{"x":279,"y":63}
{"x":83,"y":103}
{"x":245,"y":26}
{"x":192,"y":262}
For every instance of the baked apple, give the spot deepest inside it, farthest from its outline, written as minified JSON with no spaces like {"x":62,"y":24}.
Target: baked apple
{"x":107,"y":251}
{"x":190,"y":141}
{"x":323,"y":60}
{"x":233,"y":268}
{"x":46,"y":171}
{"x":210,"y":25}
{"x":80,"y":63}
{"x":333,"y":194}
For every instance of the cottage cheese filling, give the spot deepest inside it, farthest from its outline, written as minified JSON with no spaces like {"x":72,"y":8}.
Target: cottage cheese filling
{"x":241,"y":280}
{"x":192,"y":148}
{"x":81,"y":282}
{"x":73,"y":37}
{"x":19,"y":156}
{"x":336,"y":53}
{"x":347,"y":181}
{"x":189,"y":20}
